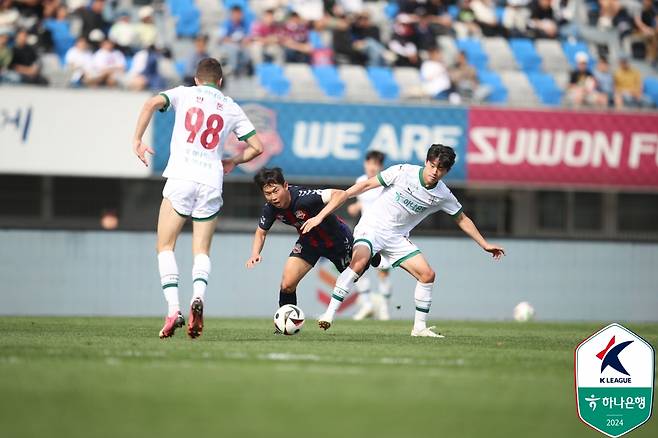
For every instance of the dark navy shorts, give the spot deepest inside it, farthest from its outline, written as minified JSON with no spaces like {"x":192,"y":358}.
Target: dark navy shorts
{"x":340,"y":254}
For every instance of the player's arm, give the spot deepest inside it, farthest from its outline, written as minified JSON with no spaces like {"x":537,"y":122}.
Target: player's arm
{"x":468,"y":227}
{"x":364,"y":186}
{"x":254,"y":148}
{"x":150,"y":106}
{"x":335,"y":199}
{"x":256,"y":247}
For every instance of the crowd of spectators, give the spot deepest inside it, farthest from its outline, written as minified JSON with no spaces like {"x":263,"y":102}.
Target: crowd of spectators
{"x":101,"y":44}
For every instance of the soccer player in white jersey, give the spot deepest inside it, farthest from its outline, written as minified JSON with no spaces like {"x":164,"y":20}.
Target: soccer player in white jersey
{"x":371,"y":303}
{"x":205,"y":117}
{"x":411,"y":193}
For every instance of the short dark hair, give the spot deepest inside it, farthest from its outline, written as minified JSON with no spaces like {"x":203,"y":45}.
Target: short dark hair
{"x":376,"y":155}
{"x":209,"y":70}
{"x":445,"y":154}
{"x":267,"y":176}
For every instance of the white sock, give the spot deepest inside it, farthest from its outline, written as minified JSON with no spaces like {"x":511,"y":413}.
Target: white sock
{"x":169,"y":280}
{"x":344,"y":284}
{"x":423,"y":299}
{"x":200,"y":274}
{"x":385,"y":288}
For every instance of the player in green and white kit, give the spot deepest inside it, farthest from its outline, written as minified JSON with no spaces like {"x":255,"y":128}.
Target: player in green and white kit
{"x":411,"y":193}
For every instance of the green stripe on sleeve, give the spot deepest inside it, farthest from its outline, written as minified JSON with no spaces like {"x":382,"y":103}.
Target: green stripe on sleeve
{"x":247,"y":135}
{"x":381,"y":180}
{"x":167,"y":103}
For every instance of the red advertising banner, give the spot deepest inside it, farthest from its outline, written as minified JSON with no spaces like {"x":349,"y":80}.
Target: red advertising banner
{"x":560,"y":147}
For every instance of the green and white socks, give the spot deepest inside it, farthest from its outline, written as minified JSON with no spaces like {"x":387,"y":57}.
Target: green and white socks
{"x":344,"y":285}
{"x":169,"y":280}
{"x":200,"y":274}
{"x":423,"y":300}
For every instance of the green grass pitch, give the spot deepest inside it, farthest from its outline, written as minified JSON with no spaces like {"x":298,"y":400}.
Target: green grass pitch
{"x":113,"y":377}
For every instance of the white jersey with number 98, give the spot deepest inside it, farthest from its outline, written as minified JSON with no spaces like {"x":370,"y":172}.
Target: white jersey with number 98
{"x":205,"y":117}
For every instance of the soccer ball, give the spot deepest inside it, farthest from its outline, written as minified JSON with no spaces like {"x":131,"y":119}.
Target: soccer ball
{"x":289,"y":319}
{"x":524,"y":311}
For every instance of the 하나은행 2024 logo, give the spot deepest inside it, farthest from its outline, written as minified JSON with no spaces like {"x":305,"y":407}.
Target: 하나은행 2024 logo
{"x":614,"y":378}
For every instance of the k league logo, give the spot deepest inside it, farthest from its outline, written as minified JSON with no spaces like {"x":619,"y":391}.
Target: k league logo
{"x":614,"y":377}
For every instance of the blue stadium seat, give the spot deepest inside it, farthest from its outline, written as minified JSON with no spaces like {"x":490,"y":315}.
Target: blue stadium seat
{"x":181,"y":67}
{"x":272,"y":79}
{"x":474,"y":52}
{"x":499,"y":91}
{"x":391,"y":10}
{"x":525,"y":54}
{"x":61,"y":35}
{"x":384,"y":83}
{"x":189,"y":23}
{"x":178,"y":7}
{"x":500,"y":11}
{"x":545,"y":87}
{"x":453,"y":10}
{"x":329,"y":80}
{"x":651,"y":89}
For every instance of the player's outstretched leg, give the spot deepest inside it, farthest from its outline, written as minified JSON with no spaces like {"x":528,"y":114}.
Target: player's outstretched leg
{"x":169,"y":280}
{"x":345,"y":284}
{"x":200,"y":275}
{"x":423,"y":299}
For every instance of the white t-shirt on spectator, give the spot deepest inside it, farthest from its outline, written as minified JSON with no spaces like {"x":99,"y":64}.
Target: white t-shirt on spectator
{"x":435,"y":77}
{"x":105,"y":59}
{"x":78,"y":61}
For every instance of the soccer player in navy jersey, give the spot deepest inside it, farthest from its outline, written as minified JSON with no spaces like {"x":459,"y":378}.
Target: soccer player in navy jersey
{"x":293,"y":205}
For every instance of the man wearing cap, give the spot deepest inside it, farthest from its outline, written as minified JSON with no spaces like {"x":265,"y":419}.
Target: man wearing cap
{"x":581,"y":82}
{"x":146,"y":30}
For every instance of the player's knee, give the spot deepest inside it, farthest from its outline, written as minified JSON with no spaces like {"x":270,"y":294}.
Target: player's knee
{"x":288,"y":288}
{"x":427,"y":276}
{"x":359,"y":265}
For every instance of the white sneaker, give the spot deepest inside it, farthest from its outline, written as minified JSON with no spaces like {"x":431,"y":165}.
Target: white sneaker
{"x":427,"y":332}
{"x":324,"y":322}
{"x":367,"y":310}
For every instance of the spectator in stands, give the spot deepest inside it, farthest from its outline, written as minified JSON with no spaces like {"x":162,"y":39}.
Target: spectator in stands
{"x":321,"y":43}
{"x":9,"y":16}
{"x":432,"y":14}
{"x":614,"y":16}
{"x":25,"y":60}
{"x":605,"y":85}
{"x":646,"y":30}
{"x":59,"y":29}
{"x":465,"y":81}
{"x":542,"y":20}
{"x":264,"y":36}
{"x":233,"y":38}
{"x":366,"y":42}
{"x":200,"y":52}
{"x":307,"y":10}
{"x":515,"y":17}
{"x":434,"y":76}
{"x":6,"y":75}
{"x":145,"y":28}
{"x":294,"y":40}
{"x":78,"y":59}
{"x":466,"y":25}
{"x":92,"y":18}
{"x":404,"y":42}
{"x":485,"y":15}
{"x":628,"y":85}
{"x":123,"y":33}
{"x":108,"y":66}
{"x":144,"y":73}
{"x":582,"y":85}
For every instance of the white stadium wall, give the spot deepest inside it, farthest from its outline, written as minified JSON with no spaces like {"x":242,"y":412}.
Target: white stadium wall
{"x":69,"y":132}
{"x":115,"y":273}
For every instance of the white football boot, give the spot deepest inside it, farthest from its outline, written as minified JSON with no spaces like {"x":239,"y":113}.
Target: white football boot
{"x":427,"y":332}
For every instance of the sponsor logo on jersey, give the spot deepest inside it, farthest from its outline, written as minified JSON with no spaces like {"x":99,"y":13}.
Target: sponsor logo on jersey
{"x":300,"y":214}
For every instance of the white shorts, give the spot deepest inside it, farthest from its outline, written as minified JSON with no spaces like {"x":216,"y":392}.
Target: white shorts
{"x":393,"y":248}
{"x":194,"y":199}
